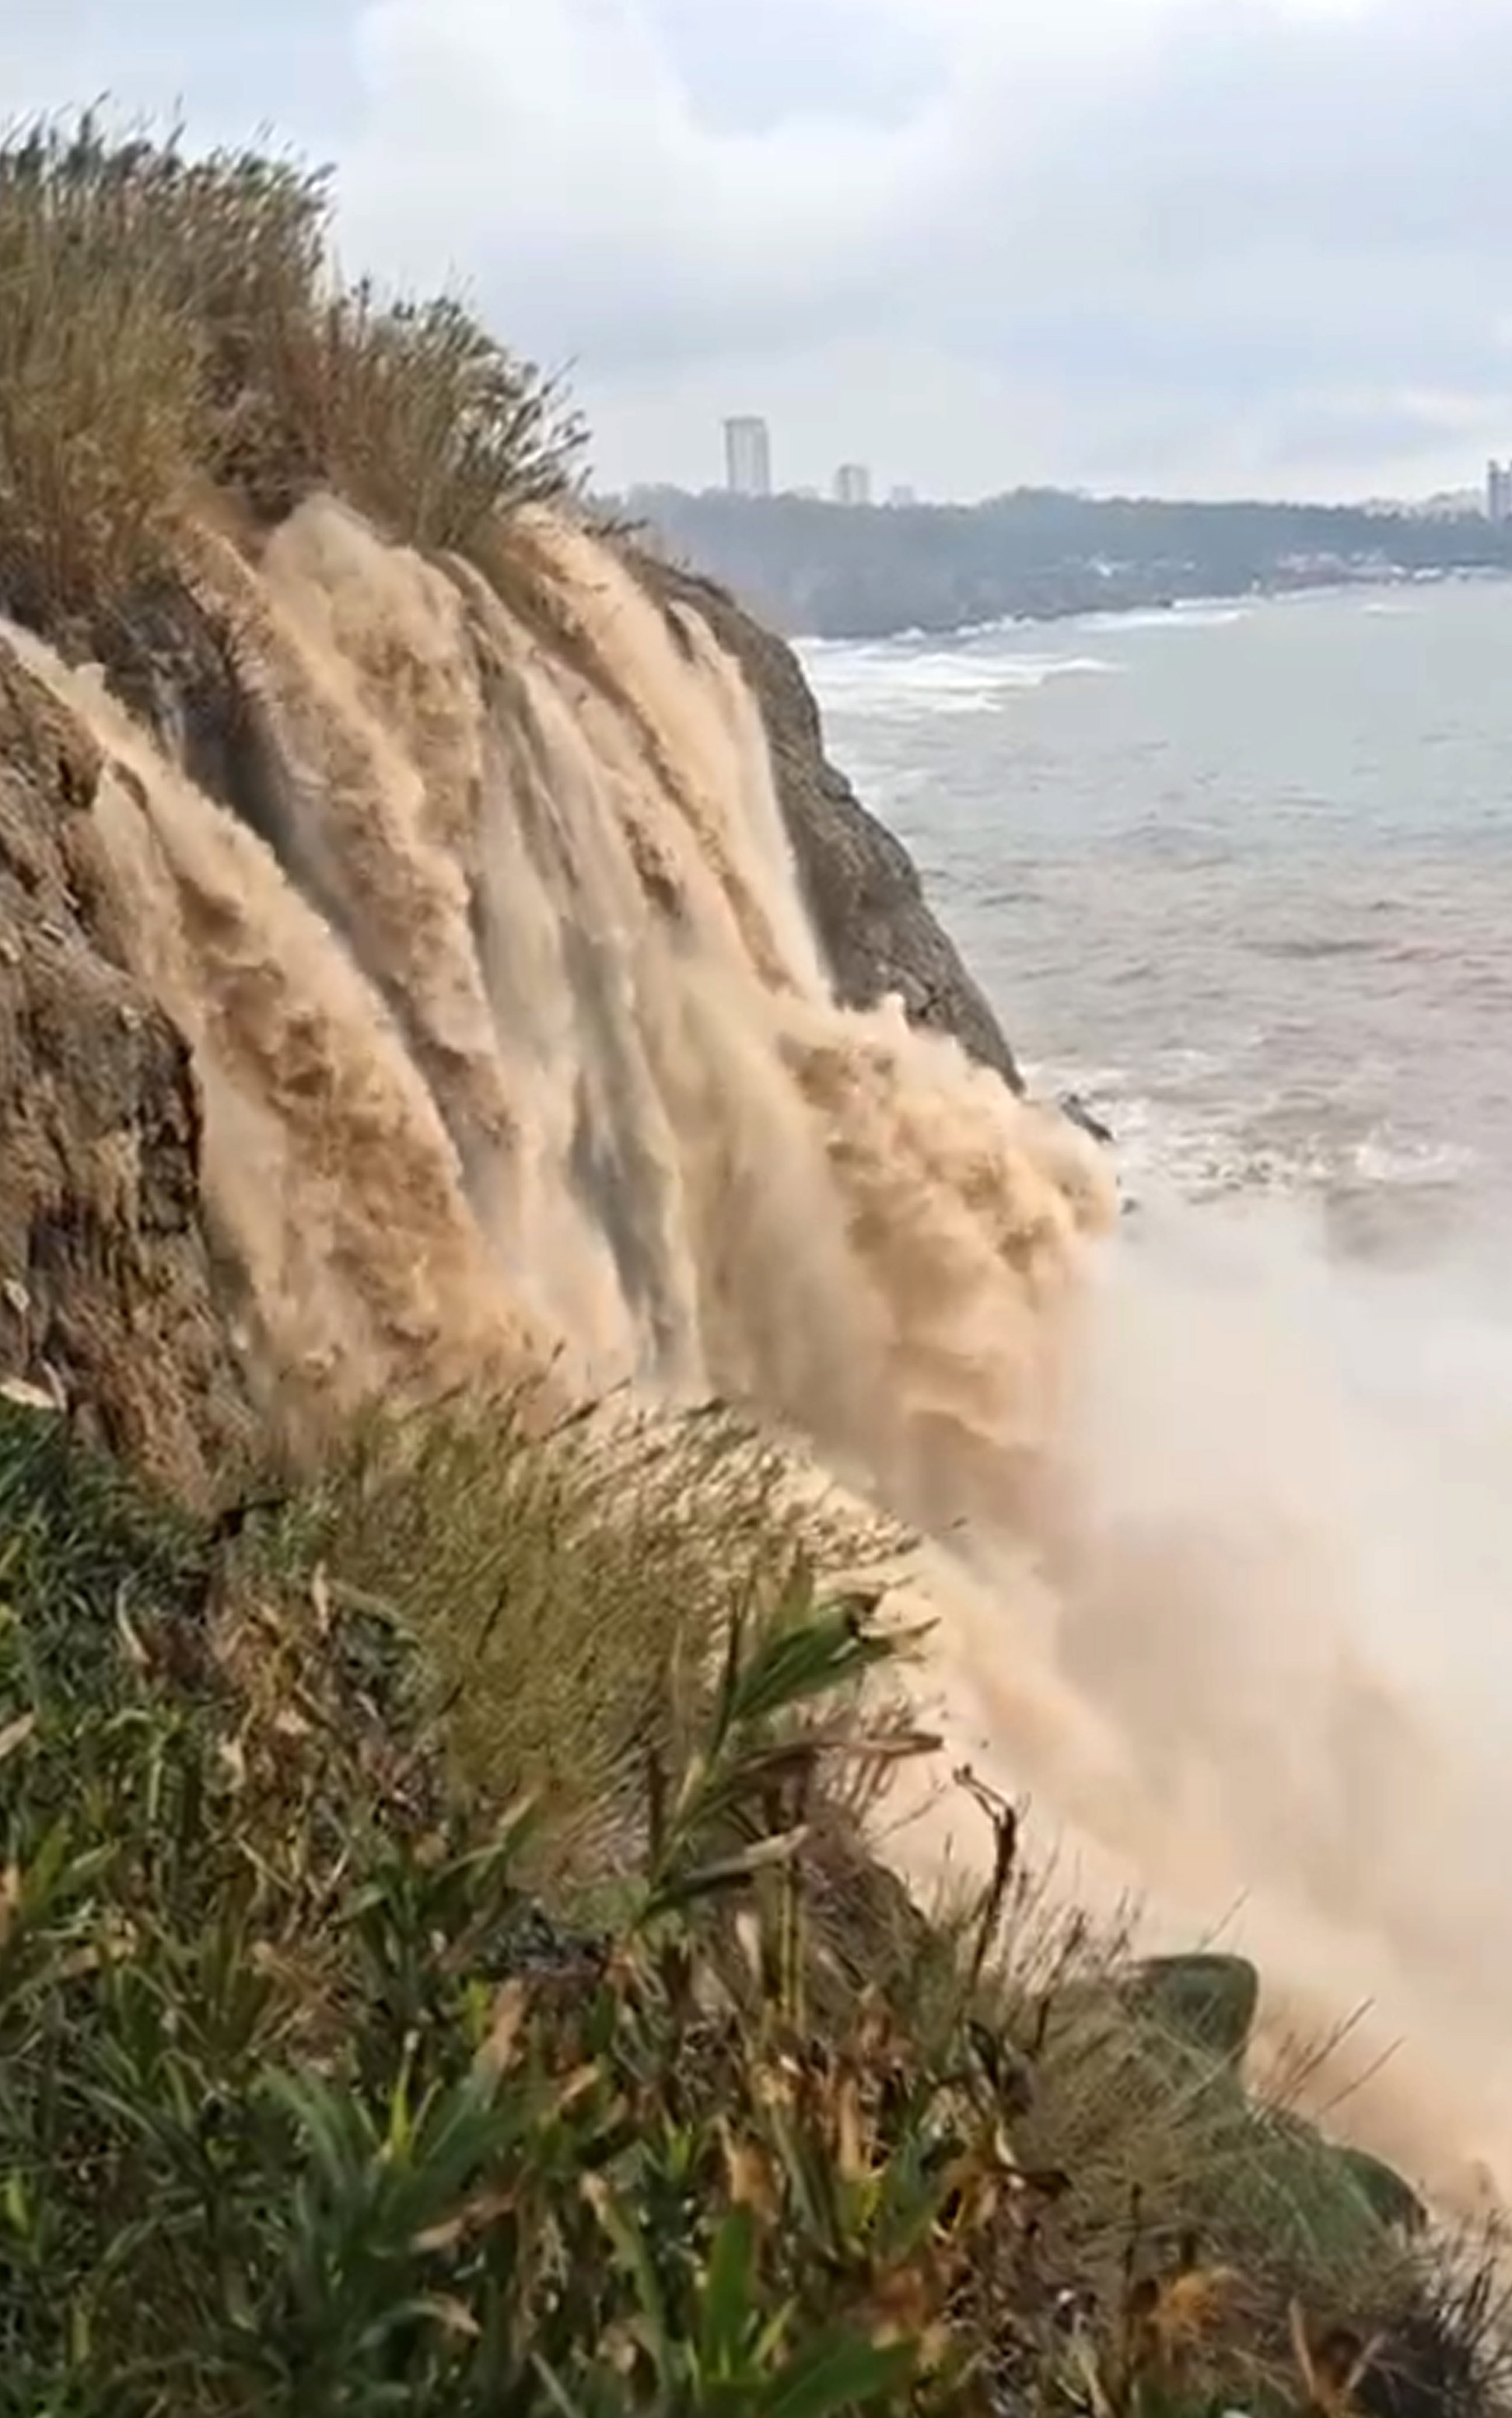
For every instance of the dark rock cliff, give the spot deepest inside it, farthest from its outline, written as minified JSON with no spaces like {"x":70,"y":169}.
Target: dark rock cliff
{"x":107,"y":1304}
{"x":875,"y":926}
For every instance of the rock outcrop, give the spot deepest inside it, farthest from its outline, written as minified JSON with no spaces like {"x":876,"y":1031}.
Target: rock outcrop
{"x":107,"y":1301}
{"x":874,"y":925}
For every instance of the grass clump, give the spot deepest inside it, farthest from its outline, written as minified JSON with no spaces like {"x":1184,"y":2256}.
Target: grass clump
{"x":171,"y":324}
{"x":573,"y":1586}
{"x":315,"y":2098}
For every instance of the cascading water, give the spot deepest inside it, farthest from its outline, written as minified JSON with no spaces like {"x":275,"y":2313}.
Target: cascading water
{"x":517,"y":1048}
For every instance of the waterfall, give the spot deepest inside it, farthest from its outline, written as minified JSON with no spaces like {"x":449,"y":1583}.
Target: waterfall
{"x":517,"y":1054}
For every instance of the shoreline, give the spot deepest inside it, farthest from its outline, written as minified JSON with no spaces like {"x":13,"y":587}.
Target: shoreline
{"x":1162,"y":601}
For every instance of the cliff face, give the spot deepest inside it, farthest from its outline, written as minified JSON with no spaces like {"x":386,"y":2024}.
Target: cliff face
{"x":106,"y":1298}
{"x":863,"y":891}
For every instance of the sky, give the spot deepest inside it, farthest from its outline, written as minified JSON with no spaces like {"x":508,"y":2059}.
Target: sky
{"x":1202,"y":247}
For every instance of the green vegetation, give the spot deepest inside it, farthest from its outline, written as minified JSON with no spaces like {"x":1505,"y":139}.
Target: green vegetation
{"x":837,"y":571}
{"x":336,"y":2078}
{"x":171,"y":330}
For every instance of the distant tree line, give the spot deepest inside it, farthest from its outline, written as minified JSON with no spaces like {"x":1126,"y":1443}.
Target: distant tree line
{"x":831,"y":571}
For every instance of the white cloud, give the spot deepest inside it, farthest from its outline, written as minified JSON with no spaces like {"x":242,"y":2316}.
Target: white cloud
{"x":1214,"y":242}
{"x":1085,"y":235}
{"x":560,"y":156}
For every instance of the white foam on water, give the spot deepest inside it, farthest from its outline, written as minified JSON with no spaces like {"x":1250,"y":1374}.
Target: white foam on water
{"x":1196,"y":614}
{"x":897,"y":684}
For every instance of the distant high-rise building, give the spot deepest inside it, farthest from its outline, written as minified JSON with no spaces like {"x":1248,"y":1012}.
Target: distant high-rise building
{"x":747,"y":456}
{"x":1499,"y":492}
{"x":902,"y":499}
{"x":852,"y":483}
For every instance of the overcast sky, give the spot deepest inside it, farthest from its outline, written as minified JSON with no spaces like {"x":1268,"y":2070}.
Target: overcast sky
{"x":1199,"y":246}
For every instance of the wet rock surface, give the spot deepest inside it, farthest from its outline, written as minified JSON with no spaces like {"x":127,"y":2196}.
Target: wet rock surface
{"x":107,"y":1301}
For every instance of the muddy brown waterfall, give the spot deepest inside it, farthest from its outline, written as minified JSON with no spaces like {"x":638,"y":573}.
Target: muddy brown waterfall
{"x":517,"y":1046}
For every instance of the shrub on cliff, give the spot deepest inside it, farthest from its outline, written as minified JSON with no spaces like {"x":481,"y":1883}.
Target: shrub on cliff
{"x":570,"y":1584}
{"x":307,"y":2106}
{"x":170,"y":324}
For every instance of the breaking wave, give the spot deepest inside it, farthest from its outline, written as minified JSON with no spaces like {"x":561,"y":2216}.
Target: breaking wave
{"x":900,"y":682}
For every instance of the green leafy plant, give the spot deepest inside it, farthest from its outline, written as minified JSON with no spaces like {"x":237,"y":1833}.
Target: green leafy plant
{"x":309,"y":2104}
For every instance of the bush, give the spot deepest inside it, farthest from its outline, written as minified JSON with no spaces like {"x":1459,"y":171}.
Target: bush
{"x":308,"y":2105}
{"x":102,"y":396}
{"x":415,"y":414}
{"x":302,"y":2107}
{"x":573,"y":1586}
{"x":168,"y":322}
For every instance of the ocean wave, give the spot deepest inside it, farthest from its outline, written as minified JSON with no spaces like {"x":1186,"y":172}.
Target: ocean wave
{"x":1304,"y":947}
{"x":1195,"y":615}
{"x":940,"y":682}
{"x":1198,"y":1151}
{"x":1390,"y":1159}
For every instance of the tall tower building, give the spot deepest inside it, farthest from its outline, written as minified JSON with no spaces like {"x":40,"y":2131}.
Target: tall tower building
{"x":852,"y":483}
{"x":747,"y":456}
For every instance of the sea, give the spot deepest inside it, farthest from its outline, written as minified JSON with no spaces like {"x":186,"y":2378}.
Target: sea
{"x":1239,"y":875}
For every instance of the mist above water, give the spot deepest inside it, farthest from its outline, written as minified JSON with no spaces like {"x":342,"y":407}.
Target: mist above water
{"x":516,"y":1050}
{"x":1242,"y":883}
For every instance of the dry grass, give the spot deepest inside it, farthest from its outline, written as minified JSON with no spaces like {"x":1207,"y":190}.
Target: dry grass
{"x":102,"y":398}
{"x":576,"y":1654}
{"x":415,"y":414}
{"x":575,"y":1589}
{"x":167,"y":321}
{"x":1166,"y":2192}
